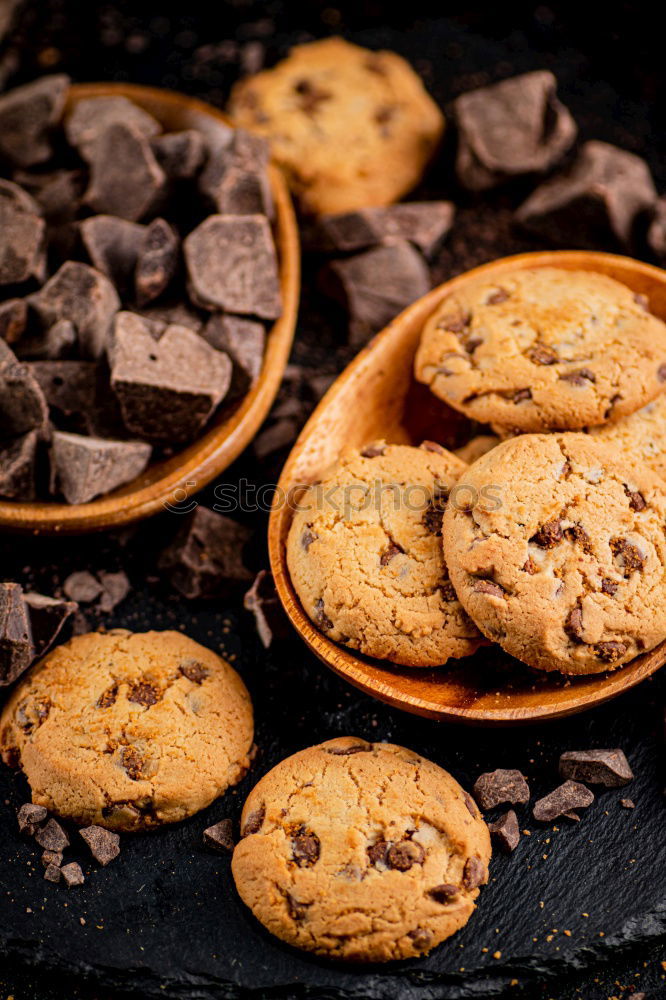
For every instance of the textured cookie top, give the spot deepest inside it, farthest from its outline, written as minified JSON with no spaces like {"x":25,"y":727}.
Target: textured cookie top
{"x":544,"y":349}
{"x":128,"y":730}
{"x":365,"y":556}
{"x":566,"y":569}
{"x":641,"y":436}
{"x":360,"y":851}
{"x":350,"y":127}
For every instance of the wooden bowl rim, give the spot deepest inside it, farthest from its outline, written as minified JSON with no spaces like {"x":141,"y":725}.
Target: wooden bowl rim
{"x":373,"y":677}
{"x":189,"y":471}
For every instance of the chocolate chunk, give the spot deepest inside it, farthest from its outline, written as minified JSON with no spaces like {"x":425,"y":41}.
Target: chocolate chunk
{"x":235,"y":180}
{"x":580,"y":377}
{"x":320,"y":616}
{"x":115,"y":588}
{"x":610,"y":651}
{"x":53,"y":873}
{"x":108,"y":697}
{"x":563,"y":799}
{"x":180,"y":154}
{"x":627,"y":803}
{"x":244,"y":340}
{"x":425,"y":224}
{"x":494,"y":788}
{"x":254,"y":822}
{"x":27,"y":115}
{"x":58,"y":341}
{"x":22,"y":403}
{"x":627,"y":556}
{"x":378,"y":854}
{"x":125,"y":178}
{"x":573,"y":624}
{"x":16,"y":642}
{"x":488,"y":587}
{"x":72,"y":874}
{"x":609,"y":586}
{"x":18,"y":467}
{"x":305,"y":847}
{"x":348,"y":751}
{"x":543,"y":354}
{"x":93,"y":116}
{"x":84,"y":296}
{"x":30,"y":817}
{"x":48,"y":617}
{"x":174,"y":314}
{"x":205,"y":557}
{"x":113,"y":246}
{"x":52,"y":837}
{"x":510,"y":129}
{"x":279,"y":435}
{"x":636,"y":499}
{"x":505,"y":831}
{"x":232,"y":264}
{"x":144,"y":694}
{"x":82,"y":587}
{"x":68,"y":386}
{"x":52,"y":858}
{"x":86,"y":467}
{"x":521,"y":395}
{"x":548,"y":535}
{"x":376,"y":285}
{"x":421,"y":938}
{"x":269,"y":617}
{"x":167,"y":389}
{"x":444,"y":893}
{"x":13,"y":317}
{"x":193,"y":670}
{"x":373,"y":450}
{"x":22,"y":230}
{"x":133,"y":763}
{"x":103,"y":844}
{"x":405,"y":855}
{"x":595,"y":203}
{"x":657,"y":232}
{"x":157,"y":260}
{"x":220,"y":836}
{"x":57,"y":193}
{"x":596,"y":767}
{"x":296,"y":909}
{"x":475,"y":873}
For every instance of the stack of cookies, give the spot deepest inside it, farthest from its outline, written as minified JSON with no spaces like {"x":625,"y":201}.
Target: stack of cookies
{"x":551,"y":542}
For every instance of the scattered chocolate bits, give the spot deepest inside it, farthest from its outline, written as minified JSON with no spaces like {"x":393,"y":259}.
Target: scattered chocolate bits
{"x":205,"y":557}
{"x":30,"y":818}
{"x":269,"y":617}
{"x":72,"y":874}
{"x":596,"y":767}
{"x":505,"y":831}
{"x":52,"y":858}
{"x":103,"y":844}
{"x":51,"y":836}
{"x":564,"y":799}
{"x":220,"y":836}
{"x":496,"y":788}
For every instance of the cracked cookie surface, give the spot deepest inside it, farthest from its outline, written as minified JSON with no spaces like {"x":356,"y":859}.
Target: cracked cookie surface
{"x":128,"y":731}
{"x":568,"y":571}
{"x":365,"y":556}
{"x":544,"y":349}
{"x":361,"y":852}
{"x":349,"y":127}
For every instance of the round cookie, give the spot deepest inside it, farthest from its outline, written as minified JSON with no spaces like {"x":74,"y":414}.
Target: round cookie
{"x":477,"y":446}
{"x":349,"y":127}
{"x":565,"y":569}
{"x":128,"y":731}
{"x":365,"y":556}
{"x":361,"y":852}
{"x":544,"y":349}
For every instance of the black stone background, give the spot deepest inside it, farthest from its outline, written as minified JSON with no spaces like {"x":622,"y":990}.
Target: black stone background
{"x":164,"y":919}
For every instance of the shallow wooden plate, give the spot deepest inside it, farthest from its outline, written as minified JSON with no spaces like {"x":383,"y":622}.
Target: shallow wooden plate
{"x":376,"y":396}
{"x":188,"y":471}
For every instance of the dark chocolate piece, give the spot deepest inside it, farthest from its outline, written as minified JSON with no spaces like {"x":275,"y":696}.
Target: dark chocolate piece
{"x":596,"y":767}
{"x":595,"y":203}
{"x":115,"y":588}
{"x":30,"y":818}
{"x":51,"y":345}
{"x":48,"y":617}
{"x":496,"y":788}
{"x":157,"y":261}
{"x":27,"y":115}
{"x":376,"y":285}
{"x":82,"y":587}
{"x":57,"y":193}
{"x":205,"y":557}
{"x":235,"y":179}
{"x":244,"y":340}
{"x":176,"y":314}
{"x":94,"y":115}
{"x":22,"y":230}
{"x":16,"y":645}
{"x":425,"y":224}
{"x":52,"y":837}
{"x":656,"y":236}
{"x":279,"y":435}
{"x":72,"y":874}
{"x":113,"y":247}
{"x":86,"y":467}
{"x":18,"y":467}
{"x":562,"y":800}
{"x":232,"y":265}
{"x":167,"y":389}
{"x":125,"y":178}
{"x":13,"y":318}
{"x":53,"y":873}
{"x":84,"y":296}
{"x":220,"y":836}
{"x":52,"y":858}
{"x":103,"y":844}
{"x":69,"y":388}
{"x":627,"y":803}
{"x":505,"y":831}
{"x":180,"y":154}
{"x":269,"y":617}
{"x":512,"y":128}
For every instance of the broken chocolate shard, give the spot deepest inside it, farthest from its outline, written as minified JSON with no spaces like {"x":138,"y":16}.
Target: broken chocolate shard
{"x":505,"y":831}
{"x":125,"y":178}
{"x":376,"y":285}
{"x":22,"y":231}
{"x":86,"y":467}
{"x":232,"y":265}
{"x":52,"y":858}
{"x":93,"y":116}
{"x":48,"y":617}
{"x":627,"y":803}
{"x":244,"y":340}
{"x":180,"y":154}
{"x":22,"y":403}
{"x":84,"y":296}
{"x":53,"y":344}
{"x":70,"y":390}
{"x":27,"y":115}
{"x":595,"y":203}
{"x":16,"y":645}
{"x":511,"y":128}
{"x":263,"y":601}
{"x":30,"y":818}
{"x":13,"y":318}
{"x":220,"y":836}
{"x":113,"y":247}
{"x":52,"y":837}
{"x":103,"y":844}
{"x":72,"y":874}
{"x":53,"y":873}
{"x":82,"y":587}
{"x":425,"y":224}
{"x":18,"y":459}
{"x":205,"y":558}
{"x":496,"y":788}
{"x":115,"y":588}
{"x":157,"y":260}
{"x":569,"y":796}
{"x":57,"y":193}
{"x":596,"y":767}
{"x":167,"y":388}
{"x":235,"y":179}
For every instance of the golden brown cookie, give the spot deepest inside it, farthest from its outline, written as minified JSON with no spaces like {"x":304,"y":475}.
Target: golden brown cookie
{"x":544,"y":349}
{"x":128,"y":731}
{"x":477,"y":446}
{"x":365,"y":556}
{"x":566,"y":568}
{"x":349,"y":127}
{"x":641,"y":436}
{"x":362,"y":852}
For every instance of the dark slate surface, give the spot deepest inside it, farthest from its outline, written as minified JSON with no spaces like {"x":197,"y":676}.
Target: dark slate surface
{"x":164,"y":919}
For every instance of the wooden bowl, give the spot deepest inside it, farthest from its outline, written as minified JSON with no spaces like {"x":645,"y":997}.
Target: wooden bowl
{"x":377,"y":397}
{"x":188,"y":471}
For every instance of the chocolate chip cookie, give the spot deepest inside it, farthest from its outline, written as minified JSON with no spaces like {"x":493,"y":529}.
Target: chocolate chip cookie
{"x":362,"y":852}
{"x":641,"y":435}
{"x":128,"y":731}
{"x":365,"y":556}
{"x":544,"y":349}
{"x":566,"y":570}
{"x":349,"y":127}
